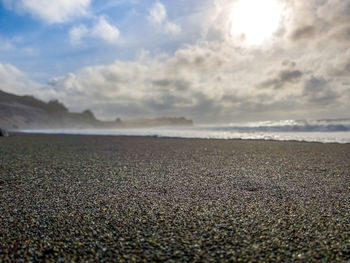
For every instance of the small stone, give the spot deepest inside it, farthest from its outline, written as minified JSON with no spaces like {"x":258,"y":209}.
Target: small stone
{"x":3,"y":132}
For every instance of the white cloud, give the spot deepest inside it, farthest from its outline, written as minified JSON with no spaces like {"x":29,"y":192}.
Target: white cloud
{"x":172,"y":28}
{"x":157,"y":14}
{"x":15,"y":81}
{"x":77,"y":33}
{"x":57,"y":11}
{"x":158,"y":18}
{"x":100,"y":30}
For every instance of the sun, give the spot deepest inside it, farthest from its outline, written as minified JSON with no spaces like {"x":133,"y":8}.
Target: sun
{"x":255,"y":21}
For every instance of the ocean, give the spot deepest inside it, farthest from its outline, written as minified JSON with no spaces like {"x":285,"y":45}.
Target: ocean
{"x":325,"y":131}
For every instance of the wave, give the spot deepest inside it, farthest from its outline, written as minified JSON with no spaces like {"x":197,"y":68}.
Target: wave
{"x":286,"y":128}
{"x":325,"y":131}
{"x":326,"y":125}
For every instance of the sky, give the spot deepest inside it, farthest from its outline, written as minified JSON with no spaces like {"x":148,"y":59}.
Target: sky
{"x":213,"y":61}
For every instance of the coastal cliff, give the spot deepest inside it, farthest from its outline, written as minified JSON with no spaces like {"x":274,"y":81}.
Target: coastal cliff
{"x":27,"y":112}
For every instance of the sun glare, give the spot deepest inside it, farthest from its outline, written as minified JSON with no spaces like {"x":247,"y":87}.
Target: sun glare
{"x":254,"y":21}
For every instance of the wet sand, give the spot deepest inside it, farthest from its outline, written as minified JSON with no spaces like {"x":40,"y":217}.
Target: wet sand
{"x":66,"y":198}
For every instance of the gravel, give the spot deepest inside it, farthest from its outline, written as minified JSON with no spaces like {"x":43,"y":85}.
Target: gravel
{"x":71,"y":198}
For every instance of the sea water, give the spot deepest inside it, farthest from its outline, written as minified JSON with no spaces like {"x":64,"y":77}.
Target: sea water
{"x":326,"y":131}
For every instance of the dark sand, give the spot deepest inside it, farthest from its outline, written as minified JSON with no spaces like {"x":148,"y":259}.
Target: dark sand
{"x":96,"y":198}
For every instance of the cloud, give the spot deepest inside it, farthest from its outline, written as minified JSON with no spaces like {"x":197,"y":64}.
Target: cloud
{"x":11,"y":78}
{"x":171,"y":28}
{"x":304,"y":32}
{"x":282,"y":78}
{"x":334,"y":11}
{"x":77,"y":33}
{"x":177,"y":84}
{"x":101,"y":29}
{"x":157,"y":14}
{"x":146,"y":88}
{"x":339,"y":66}
{"x":58,"y":11}
{"x":15,"y":81}
{"x":317,"y":90}
{"x":342,"y":33}
{"x":316,"y":20}
{"x":158,"y":18}
{"x":208,"y":82}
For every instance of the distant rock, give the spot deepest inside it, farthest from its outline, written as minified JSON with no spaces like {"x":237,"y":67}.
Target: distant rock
{"x":165,"y":121}
{"x":3,"y":133}
{"x":27,"y":112}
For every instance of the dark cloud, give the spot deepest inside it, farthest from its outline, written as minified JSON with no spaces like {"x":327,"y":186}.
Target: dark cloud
{"x":288,"y":63}
{"x":282,"y":78}
{"x":305,"y":32}
{"x":166,"y":101}
{"x":341,"y":33}
{"x":162,"y":103}
{"x":345,"y":70}
{"x":177,"y":84}
{"x":290,"y":75}
{"x":334,"y":11}
{"x":317,"y":90}
{"x":204,"y":107}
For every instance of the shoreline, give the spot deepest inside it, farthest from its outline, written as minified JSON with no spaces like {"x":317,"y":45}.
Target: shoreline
{"x":113,"y":133}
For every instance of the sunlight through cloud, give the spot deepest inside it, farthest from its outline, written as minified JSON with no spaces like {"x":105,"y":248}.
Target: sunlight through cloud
{"x":255,"y":21}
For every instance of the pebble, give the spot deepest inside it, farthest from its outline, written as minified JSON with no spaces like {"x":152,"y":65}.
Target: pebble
{"x":68,"y":198}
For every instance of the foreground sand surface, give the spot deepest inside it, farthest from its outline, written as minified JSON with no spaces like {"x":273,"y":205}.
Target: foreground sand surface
{"x":67,"y":198}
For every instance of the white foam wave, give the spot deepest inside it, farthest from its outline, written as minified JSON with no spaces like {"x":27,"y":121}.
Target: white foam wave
{"x":215,"y":133}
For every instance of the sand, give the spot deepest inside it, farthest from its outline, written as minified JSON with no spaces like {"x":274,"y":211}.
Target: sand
{"x":66,"y":198}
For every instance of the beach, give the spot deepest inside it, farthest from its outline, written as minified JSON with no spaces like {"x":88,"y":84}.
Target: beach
{"x":75,"y":198}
